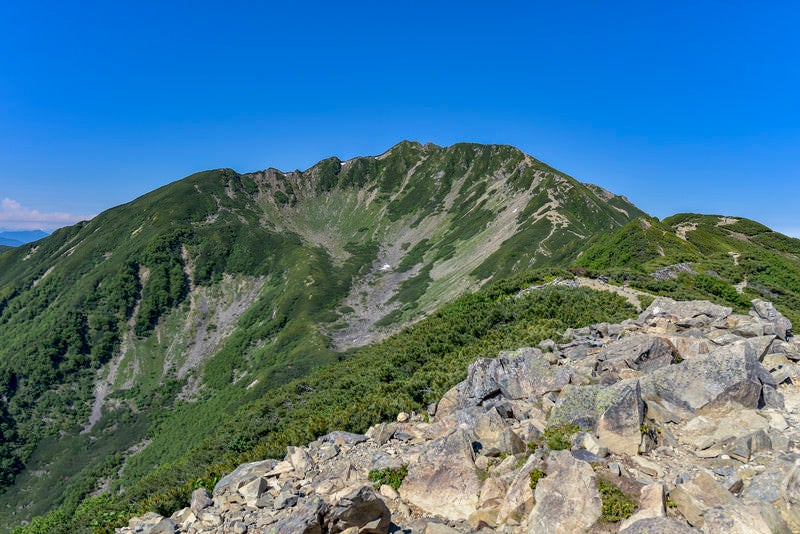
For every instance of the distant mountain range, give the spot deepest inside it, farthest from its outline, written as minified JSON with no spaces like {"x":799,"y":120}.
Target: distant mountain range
{"x":15,"y":238}
{"x":134,"y":341}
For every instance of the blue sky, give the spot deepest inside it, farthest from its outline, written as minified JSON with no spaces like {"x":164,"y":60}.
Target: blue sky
{"x":681,"y":106}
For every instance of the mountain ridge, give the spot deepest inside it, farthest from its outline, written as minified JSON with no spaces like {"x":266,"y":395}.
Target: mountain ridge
{"x":137,"y":341}
{"x":210,"y":291}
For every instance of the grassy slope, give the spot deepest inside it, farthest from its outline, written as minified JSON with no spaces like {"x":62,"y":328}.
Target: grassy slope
{"x":723,"y":251}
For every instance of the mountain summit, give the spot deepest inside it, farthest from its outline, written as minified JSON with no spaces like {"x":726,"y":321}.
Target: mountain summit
{"x":222,"y":286}
{"x":168,"y":339}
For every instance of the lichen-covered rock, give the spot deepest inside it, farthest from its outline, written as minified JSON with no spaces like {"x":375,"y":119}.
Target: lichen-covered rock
{"x":443,"y":481}
{"x":522,"y":374}
{"x":362,"y":509}
{"x":619,"y":407}
{"x":728,"y":374}
{"x":567,"y":499}
{"x":741,"y":518}
{"x":618,"y":427}
{"x":694,"y":496}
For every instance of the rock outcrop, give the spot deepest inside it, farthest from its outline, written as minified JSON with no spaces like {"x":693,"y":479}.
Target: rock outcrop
{"x":684,"y":420}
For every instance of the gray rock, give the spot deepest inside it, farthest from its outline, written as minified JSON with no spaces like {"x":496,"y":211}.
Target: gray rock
{"x":769,"y":485}
{"x":308,"y":517}
{"x":152,"y":523}
{"x":659,"y":525}
{"x":265,"y":501}
{"x":252,"y":490}
{"x":731,"y":480}
{"x":770,"y":397}
{"x":443,"y":481}
{"x":343,"y":438}
{"x":766,"y":310}
{"x":300,"y":459}
{"x":618,"y":427}
{"x":790,"y":498}
{"x":381,"y":433}
{"x":244,"y":474}
{"x":520,"y":374}
{"x":200,"y":500}
{"x":694,"y":312}
{"x":651,"y":504}
{"x":510,"y":442}
{"x":285,"y":499}
{"x":738,"y":518}
{"x":518,"y":502}
{"x":567,"y":499}
{"x":585,"y":406}
{"x":327,"y":451}
{"x":728,"y":374}
{"x":486,"y":424}
{"x":586,"y":456}
{"x":361,"y":509}
{"x":698,"y":493}
{"x":641,"y":352}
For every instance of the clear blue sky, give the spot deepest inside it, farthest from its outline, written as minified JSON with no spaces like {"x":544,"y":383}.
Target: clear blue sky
{"x":681,"y":106}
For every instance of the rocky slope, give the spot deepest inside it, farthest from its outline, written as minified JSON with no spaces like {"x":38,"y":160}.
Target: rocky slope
{"x":686,"y":419}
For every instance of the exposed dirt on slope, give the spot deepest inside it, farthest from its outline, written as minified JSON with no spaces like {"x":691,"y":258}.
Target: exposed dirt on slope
{"x":628,"y":293}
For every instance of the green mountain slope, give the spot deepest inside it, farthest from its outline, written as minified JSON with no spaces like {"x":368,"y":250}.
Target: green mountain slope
{"x":404,"y":372}
{"x":727,"y":259}
{"x":129,"y":338}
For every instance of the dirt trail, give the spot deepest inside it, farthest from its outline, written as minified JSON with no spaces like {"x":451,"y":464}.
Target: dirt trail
{"x":630,"y":294}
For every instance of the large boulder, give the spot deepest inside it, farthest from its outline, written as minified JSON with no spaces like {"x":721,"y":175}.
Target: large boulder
{"x":244,"y":474}
{"x":567,"y":499}
{"x":521,"y":374}
{"x":690,"y":313}
{"x":738,"y":518}
{"x":519,"y":500}
{"x":444,"y":481}
{"x":619,"y":426}
{"x":639,"y":352}
{"x":695,"y":495}
{"x":766,"y":311}
{"x":361,"y":509}
{"x":615,"y":412}
{"x":729,"y":374}
{"x":307,"y":517}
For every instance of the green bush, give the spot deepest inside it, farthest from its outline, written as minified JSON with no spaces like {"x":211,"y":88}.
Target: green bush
{"x":389,"y":476}
{"x":558,"y":438}
{"x":535,"y":476}
{"x":616,"y":505}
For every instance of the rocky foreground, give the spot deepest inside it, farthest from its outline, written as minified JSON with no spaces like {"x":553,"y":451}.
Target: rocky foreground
{"x":684,"y":420}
